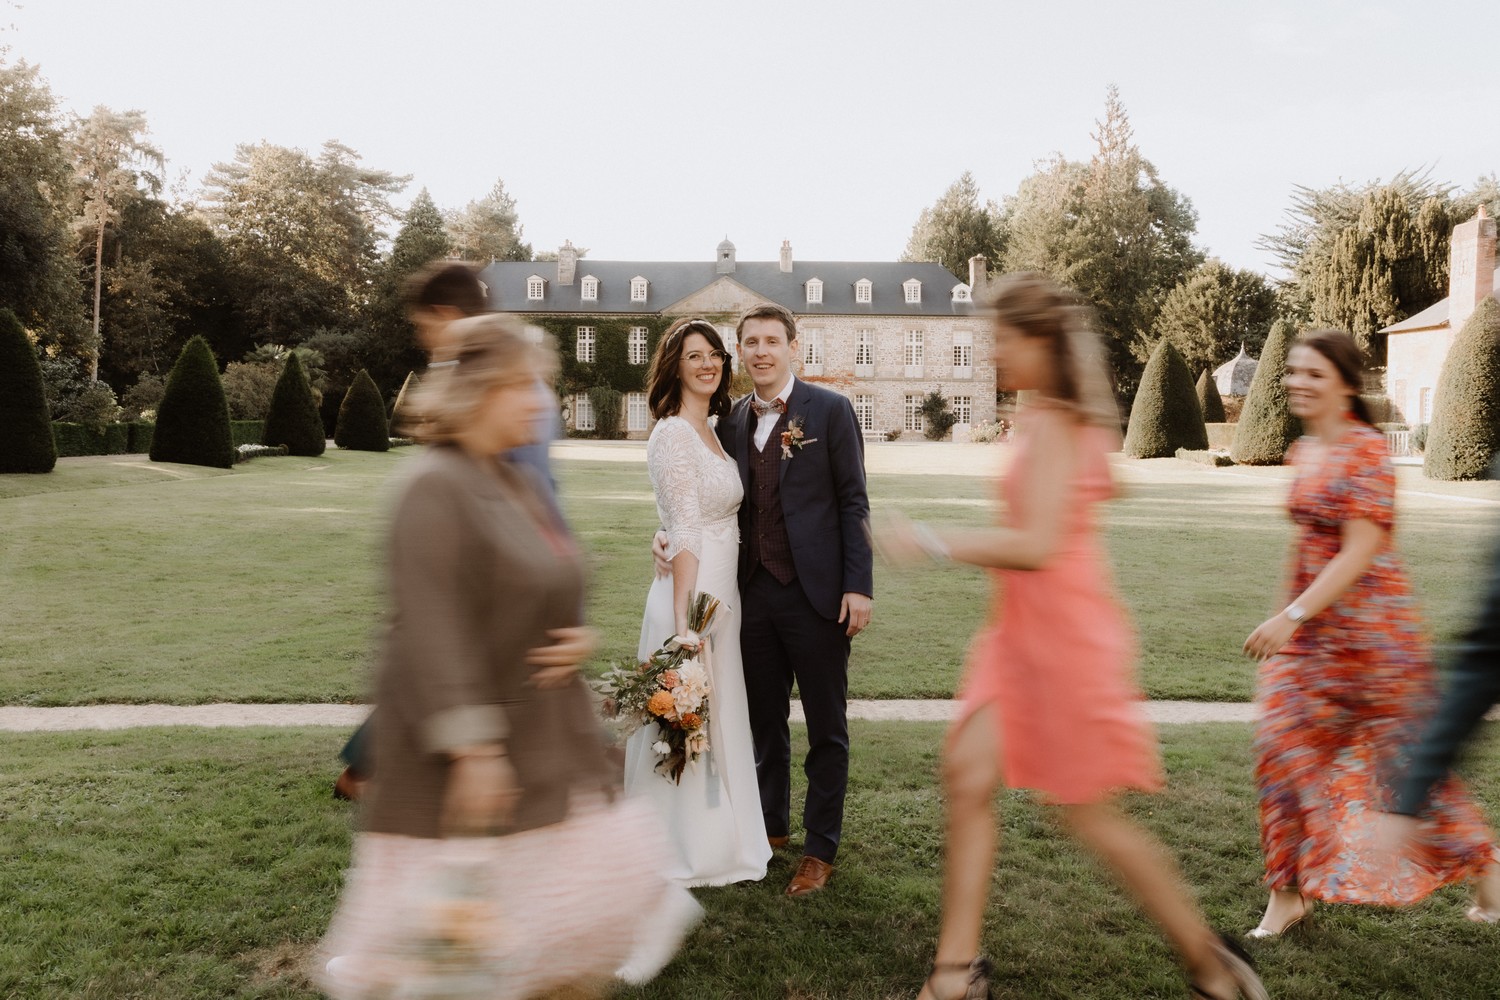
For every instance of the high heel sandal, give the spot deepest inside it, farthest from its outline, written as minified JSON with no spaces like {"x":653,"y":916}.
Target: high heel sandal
{"x":1240,"y":966}
{"x":1262,"y":932}
{"x":978,"y":986}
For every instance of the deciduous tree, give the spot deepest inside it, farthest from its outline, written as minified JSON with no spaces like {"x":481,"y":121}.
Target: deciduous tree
{"x":1208,"y":316}
{"x":113,"y":164}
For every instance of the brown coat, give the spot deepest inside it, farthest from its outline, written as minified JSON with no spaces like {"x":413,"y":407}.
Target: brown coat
{"x":474,"y":582}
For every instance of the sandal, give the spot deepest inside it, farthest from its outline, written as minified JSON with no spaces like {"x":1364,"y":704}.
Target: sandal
{"x":1263,"y":932}
{"x":1239,"y":965}
{"x":1480,"y":915}
{"x":978,"y":986}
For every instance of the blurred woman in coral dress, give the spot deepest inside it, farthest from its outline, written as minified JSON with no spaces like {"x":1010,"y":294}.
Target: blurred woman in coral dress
{"x":1049,"y":700}
{"x":1347,"y":678}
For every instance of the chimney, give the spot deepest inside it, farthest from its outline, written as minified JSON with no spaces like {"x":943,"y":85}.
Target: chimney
{"x":1471,"y":267}
{"x":979,"y":275}
{"x":567,"y":262}
{"x":786,"y":256}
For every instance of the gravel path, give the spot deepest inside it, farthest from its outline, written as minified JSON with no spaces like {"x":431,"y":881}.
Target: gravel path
{"x":20,"y":719}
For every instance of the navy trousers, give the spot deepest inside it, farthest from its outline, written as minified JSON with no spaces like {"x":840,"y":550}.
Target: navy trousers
{"x":782,"y":640}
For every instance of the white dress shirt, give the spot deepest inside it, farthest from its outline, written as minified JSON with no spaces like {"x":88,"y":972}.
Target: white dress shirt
{"x":764,"y":422}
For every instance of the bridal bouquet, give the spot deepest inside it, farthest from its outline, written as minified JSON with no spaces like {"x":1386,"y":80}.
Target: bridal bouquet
{"x":670,"y":689}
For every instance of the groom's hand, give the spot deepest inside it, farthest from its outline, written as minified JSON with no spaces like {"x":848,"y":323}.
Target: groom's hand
{"x":659,"y":555}
{"x":855,"y":609}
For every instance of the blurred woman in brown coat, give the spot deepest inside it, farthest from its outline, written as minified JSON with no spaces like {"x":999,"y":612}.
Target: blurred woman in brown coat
{"x":491,"y":859}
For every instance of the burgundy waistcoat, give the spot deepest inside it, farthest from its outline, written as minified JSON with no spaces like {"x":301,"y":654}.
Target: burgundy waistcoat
{"x":767,"y":541}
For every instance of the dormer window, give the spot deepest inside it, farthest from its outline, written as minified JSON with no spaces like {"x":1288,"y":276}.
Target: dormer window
{"x":638,"y":289}
{"x":961,"y":293}
{"x":535,"y":285}
{"x":589,"y":289}
{"x":913,"y":289}
{"x":815,"y":291}
{"x":863,"y":290}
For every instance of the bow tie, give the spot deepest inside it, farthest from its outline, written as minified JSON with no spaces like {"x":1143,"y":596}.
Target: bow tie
{"x":774,"y":406}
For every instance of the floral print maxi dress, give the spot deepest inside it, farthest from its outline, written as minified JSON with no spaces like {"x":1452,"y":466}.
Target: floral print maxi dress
{"x":1341,"y":701}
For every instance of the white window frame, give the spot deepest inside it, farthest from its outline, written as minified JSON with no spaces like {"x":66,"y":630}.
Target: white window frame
{"x":535,"y":334}
{"x":864,"y":291}
{"x":962,"y":407}
{"x":637,"y":416}
{"x":726,"y":334}
{"x":586,"y":345}
{"x":536,"y":288}
{"x":638,"y":346}
{"x":864,"y":411}
{"x":638,"y":287}
{"x":913,"y":289}
{"x":963,"y":354}
{"x":864,"y":352}
{"x":812,"y":350}
{"x":914,"y":353}
{"x":815,"y":291}
{"x":589,"y":288}
{"x":913,"y":419}
{"x":583,"y":412}
{"x":961,"y":293}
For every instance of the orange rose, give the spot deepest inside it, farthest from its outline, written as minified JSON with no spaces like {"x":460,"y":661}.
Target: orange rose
{"x":669,"y":679}
{"x":691,"y":721}
{"x":660,"y":704}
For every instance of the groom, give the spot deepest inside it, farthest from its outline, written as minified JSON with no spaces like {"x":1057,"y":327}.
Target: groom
{"x":805,"y":579}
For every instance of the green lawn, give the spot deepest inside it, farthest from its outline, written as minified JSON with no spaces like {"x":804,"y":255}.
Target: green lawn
{"x":204,"y":864}
{"x":125,"y":581}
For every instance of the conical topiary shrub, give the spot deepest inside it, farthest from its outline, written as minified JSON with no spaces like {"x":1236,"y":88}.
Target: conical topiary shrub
{"x":1267,"y":428}
{"x":398,"y":416}
{"x":1209,"y":400}
{"x":293,"y":417}
{"x":1465,"y":430}
{"x":26,"y":443}
{"x":192,"y":423}
{"x":1166,"y":415}
{"x":362,"y":425}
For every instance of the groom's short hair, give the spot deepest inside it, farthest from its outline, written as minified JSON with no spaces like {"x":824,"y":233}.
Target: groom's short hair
{"x":768,"y":310}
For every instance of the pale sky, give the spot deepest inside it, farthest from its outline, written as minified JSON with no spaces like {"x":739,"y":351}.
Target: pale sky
{"x":651,"y":129}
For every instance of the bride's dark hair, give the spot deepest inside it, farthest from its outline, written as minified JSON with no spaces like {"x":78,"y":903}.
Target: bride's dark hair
{"x":664,"y":384}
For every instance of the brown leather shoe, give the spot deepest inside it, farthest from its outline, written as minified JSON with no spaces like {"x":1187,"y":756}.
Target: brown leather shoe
{"x":777,"y":843}
{"x":348,"y":786}
{"x":812,"y":875}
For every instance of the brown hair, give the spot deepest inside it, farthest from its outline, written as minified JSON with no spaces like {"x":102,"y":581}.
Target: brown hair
{"x":445,"y":283}
{"x":489,"y":351}
{"x":1032,"y":303}
{"x":768,"y":310}
{"x":664,"y":383}
{"x":1345,"y":356}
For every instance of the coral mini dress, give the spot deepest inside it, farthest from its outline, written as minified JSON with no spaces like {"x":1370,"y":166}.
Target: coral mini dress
{"x":1056,"y":658}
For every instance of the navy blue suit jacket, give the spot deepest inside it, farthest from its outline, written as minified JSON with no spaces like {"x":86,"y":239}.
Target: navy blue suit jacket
{"x":823,"y":494}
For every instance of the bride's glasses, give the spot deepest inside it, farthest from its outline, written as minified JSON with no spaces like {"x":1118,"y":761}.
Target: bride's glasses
{"x":698,"y":359}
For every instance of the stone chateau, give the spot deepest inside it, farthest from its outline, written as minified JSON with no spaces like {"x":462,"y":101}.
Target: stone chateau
{"x":883,"y":334}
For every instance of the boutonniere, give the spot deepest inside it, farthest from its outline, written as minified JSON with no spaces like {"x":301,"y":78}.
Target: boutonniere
{"x":794,"y":437}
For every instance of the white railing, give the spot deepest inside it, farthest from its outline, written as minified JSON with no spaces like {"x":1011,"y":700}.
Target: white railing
{"x":1398,"y":443}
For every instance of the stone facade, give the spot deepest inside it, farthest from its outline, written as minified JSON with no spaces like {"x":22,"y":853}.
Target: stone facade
{"x":937,"y":331}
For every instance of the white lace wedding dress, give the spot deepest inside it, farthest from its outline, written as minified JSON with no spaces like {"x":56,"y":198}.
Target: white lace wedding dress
{"x":713,"y":815}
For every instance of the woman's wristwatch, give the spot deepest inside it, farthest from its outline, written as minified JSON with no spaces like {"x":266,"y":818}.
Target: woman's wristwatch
{"x":1295,"y":613}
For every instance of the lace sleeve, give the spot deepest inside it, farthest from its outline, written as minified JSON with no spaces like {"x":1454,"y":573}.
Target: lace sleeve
{"x":672,"y":459}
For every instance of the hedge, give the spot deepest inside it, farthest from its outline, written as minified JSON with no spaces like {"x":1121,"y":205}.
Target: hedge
{"x":1465,"y":430}
{"x":27,"y":445}
{"x":1209,"y":399}
{"x":293,"y":419}
{"x":362,"y":425}
{"x":1214,"y":457}
{"x":192,"y":424}
{"x":1166,"y":415}
{"x":1267,"y":428}
{"x":76,"y":439}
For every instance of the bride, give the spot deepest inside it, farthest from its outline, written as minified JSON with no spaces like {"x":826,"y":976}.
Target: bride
{"x":713,"y":814}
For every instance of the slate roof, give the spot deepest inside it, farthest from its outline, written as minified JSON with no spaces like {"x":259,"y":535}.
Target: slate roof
{"x":672,"y":281}
{"x":1433,"y":316}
